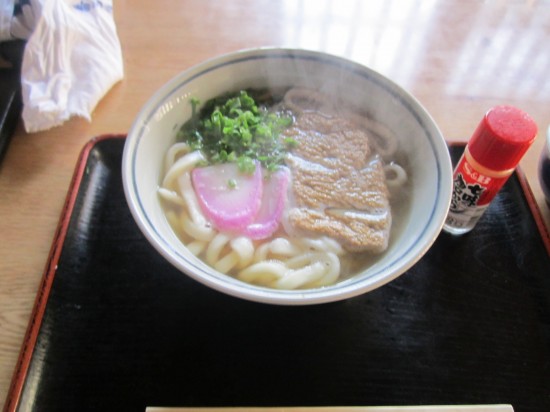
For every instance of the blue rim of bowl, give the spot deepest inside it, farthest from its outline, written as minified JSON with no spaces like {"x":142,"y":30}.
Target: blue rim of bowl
{"x":317,"y":295}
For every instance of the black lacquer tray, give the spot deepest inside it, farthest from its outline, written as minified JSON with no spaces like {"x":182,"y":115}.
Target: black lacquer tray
{"x":117,"y":328}
{"x":10,"y":91}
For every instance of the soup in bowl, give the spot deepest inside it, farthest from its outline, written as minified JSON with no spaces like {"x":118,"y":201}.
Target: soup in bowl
{"x":287,"y":176}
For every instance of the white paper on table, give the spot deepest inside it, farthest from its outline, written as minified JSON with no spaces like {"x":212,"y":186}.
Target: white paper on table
{"x":427,"y":408}
{"x":71,"y":60}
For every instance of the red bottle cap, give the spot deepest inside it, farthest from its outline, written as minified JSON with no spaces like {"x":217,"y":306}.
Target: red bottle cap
{"x":502,"y":138}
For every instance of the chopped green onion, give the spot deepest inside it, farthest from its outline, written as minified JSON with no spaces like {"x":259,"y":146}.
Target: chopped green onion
{"x":233,"y":128}
{"x":232,"y":184}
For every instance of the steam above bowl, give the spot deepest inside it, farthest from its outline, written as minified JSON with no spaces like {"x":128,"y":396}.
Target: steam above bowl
{"x":346,"y":96}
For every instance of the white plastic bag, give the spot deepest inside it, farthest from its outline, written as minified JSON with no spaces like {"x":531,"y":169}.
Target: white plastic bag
{"x":71,"y":60}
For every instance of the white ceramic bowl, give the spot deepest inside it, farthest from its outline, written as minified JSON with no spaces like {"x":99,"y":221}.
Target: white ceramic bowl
{"x":429,"y":164}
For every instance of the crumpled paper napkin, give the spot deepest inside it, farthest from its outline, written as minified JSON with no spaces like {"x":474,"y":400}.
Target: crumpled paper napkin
{"x":72,"y":59}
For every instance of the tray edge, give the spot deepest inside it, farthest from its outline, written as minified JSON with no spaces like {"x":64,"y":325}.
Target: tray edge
{"x":535,"y":210}
{"x":35,"y":320}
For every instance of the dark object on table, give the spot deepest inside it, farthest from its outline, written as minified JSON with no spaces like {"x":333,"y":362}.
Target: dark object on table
{"x":117,"y":328}
{"x":544,"y":168}
{"x":11,"y":56}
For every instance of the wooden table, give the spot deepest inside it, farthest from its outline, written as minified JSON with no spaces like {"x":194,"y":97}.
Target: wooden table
{"x":459,"y":58}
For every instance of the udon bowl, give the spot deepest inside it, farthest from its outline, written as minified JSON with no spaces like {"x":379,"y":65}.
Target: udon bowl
{"x":427,"y":157}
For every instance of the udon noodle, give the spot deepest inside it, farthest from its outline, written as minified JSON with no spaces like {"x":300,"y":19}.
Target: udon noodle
{"x":290,"y":258}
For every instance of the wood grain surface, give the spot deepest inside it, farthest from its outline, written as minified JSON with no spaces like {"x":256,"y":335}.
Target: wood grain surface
{"x":458,"y":58}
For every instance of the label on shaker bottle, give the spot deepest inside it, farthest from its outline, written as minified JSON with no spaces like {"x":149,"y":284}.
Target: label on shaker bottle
{"x":472,"y":193}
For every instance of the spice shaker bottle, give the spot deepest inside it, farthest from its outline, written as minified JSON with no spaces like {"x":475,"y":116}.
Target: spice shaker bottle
{"x":491,"y":155}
